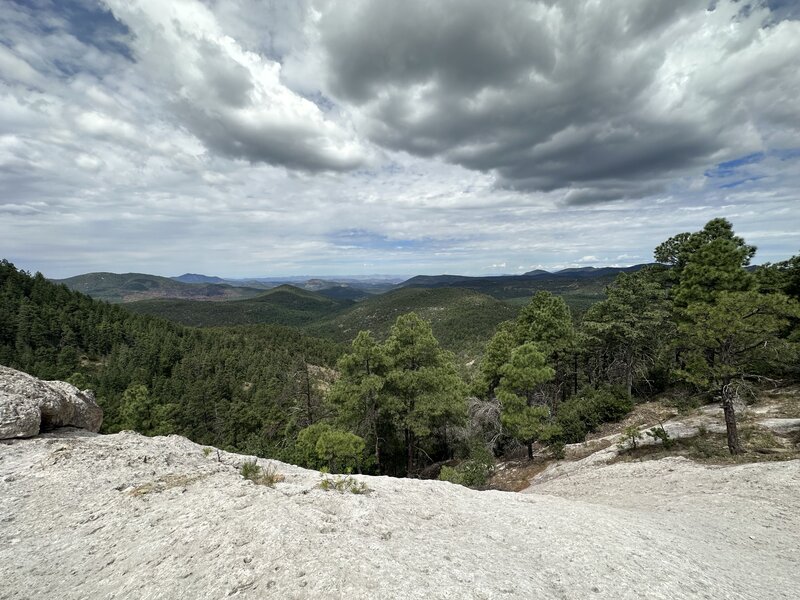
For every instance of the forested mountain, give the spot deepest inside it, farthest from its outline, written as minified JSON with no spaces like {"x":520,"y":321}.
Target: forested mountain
{"x":129,"y":287}
{"x":282,"y":305}
{"x":701,"y":322}
{"x":462,"y":320}
{"x":237,"y":388}
{"x":580,"y":287}
{"x":197,"y":278}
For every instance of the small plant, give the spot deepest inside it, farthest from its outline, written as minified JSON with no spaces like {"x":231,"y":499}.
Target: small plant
{"x":473,"y":472}
{"x":268,"y":476}
{"x":206,"y":451}
{"x":343,"y":484}
{"x":630,"y":438}
{"x":759,"y":439}
{"x":659,"y":433}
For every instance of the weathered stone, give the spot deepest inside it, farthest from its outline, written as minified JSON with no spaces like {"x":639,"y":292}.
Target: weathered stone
{"x":29,"y":405}
{"x":126,"y":516}
{"x":781,"y":426}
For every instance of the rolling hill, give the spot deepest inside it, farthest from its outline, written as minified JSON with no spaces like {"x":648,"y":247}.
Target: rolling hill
{"x":462,"y":320}
{"x":580,"y":287}
{"x":130,"y":287}
{"x":283,"y":305}
{"x":197,"y":278}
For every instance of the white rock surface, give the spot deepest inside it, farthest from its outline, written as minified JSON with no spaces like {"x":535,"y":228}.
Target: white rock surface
{"x":125,"y":516}
{"x":29,"y":405}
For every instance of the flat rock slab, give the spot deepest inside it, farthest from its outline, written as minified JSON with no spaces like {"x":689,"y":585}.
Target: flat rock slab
{"x":125,"y":516}
{"x":781,"y":426}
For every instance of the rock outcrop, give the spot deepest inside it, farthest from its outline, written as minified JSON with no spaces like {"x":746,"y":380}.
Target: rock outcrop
{"x":29,"y":405}
{"x":125,"y":516}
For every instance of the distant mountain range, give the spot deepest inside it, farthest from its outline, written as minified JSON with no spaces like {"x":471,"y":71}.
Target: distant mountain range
{"x":581,"y":286}
{"x":587,"y":281}
{"x":196,"y":278}
{"x":464,"y":311}
{"x":130,"y":287}
{"x":133,"y":287}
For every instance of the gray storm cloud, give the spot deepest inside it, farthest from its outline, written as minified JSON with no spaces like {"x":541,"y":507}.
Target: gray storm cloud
{"x":600,"y":100}
{"x":232,"y":99}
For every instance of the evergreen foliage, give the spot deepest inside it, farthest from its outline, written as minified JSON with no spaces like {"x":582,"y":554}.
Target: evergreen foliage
{"x":396,"y":398}
{"x":625,"y":333}
{"x":234,"y":388}
{"x":726,"y":327}
{"x":524,"y":419}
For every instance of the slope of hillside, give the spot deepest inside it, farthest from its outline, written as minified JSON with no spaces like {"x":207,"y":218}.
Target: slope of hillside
{"x":130,"y":287}
{"x":580,"y":287}
{"x":197,"y":278}
{"x":126,"y":516}
{"x":283,"y":305}
{"x":462,"y":320}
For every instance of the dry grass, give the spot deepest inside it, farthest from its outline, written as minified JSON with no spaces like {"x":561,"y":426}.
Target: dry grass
{"x":164,"y":483}
{"x":268,"y":475}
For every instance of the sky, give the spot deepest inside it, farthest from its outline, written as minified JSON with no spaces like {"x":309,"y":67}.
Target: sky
{"x":246,"y":138}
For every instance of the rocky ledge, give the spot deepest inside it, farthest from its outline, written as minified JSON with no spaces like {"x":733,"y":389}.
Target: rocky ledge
{"x":29,"y":405}
{"x":125,"y":516}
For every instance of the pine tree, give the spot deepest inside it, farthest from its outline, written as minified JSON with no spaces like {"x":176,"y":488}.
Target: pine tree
{"x":525,"y":420}
{"x":357,"y":393}
{"x":423,"y":391}
{"x":736,"y":336}
{"x":709,"y":267}
{"x":630,"y":326}
{"x":547,"y":322}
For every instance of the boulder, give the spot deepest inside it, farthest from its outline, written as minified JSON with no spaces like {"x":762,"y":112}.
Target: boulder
{"x":29,"y":405}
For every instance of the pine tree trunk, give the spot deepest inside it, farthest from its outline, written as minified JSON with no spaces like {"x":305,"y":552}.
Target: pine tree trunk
{"x":530,"y":451}
{"x":377,"y":449}
{"x":575,"y":374}
{"x":410,"y":451}
{"x":730,"y":420}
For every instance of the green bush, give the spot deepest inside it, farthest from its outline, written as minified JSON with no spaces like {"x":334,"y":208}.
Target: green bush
{"x":630,"y":438}
{"x":250,"y":470}
{"x":323,"y":447}
{"x":659,"y":433}
{"x":590,"y":409}
{"x":473,"y":472}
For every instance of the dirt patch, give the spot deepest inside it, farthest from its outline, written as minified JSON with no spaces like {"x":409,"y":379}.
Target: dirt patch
{"x":760,"y":445}
{"x":515,"y":476}
{"x":785,"y":402}
{"x":648,"y":413}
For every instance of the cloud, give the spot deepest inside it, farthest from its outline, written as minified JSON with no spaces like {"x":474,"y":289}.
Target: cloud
{"x":132,"y":145}
{"x":598,"y":101}
{"x":230,"y":98}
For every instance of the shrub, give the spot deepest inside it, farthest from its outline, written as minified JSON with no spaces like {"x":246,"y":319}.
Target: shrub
{"x":589,"y":409}
{"x":341,"y":450}
{"x":321,"y":446}
{"x":344,"y":484}
{"x":268,"y":476}
{"x":473,"y":472}
{"x":250,"y":470}
{"x":659,"y":433}
{"x":630,"y":437}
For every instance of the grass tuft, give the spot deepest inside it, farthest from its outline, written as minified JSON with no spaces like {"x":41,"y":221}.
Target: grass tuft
{"x":343,"y":484}
{"x":268,"y":475}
